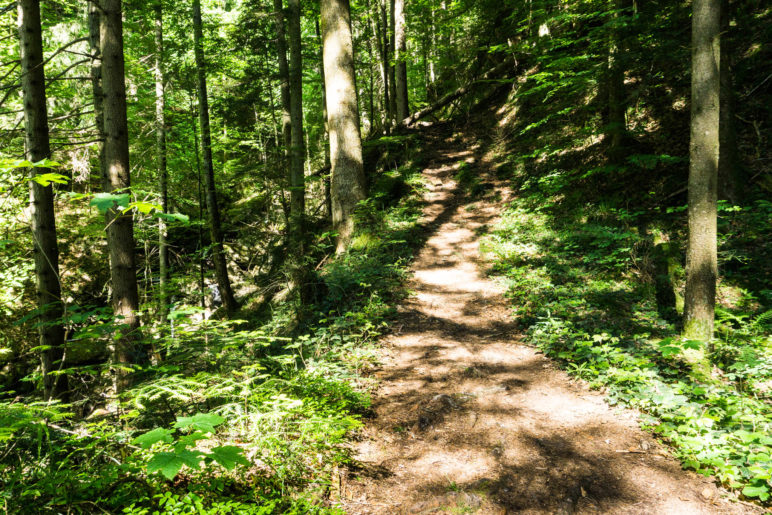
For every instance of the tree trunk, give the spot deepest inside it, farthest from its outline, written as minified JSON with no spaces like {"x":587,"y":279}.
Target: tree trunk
{"x":94,"y":18}
{"x":616,"y":87}
{"x":297,"y":154}
{"x":701,"y":259}
{"x":41,"y":199}
{"x":284,"y":81}
{"x":120,"y":226}
{"x":392,"y":72}
{"x":348,"y":178}
{"x":375,"y":25}
{"x":387,"y":98}
{"x":730,"y":179}
{"x":400,"y":56}
{"x":327,"y":198}
{"x":215,"y":231}
{"x":160,"y":148}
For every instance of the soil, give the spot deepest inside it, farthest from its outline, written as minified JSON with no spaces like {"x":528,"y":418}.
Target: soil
{"x":470,"y":420}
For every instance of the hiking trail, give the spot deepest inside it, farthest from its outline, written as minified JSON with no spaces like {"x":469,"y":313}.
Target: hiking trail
{"x":470,"y":420}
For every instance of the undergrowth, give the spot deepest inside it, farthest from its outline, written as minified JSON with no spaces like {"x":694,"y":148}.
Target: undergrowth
{"x":234,"y":417}
{"x":579,"y":295}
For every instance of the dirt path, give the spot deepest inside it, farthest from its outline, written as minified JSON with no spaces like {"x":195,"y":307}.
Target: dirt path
{"x":470,"y":421}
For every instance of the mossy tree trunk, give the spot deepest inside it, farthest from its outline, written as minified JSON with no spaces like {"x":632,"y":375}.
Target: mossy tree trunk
{"x":41,"y":199}
{"x":348,"y":178}
{"x":213,"y":211}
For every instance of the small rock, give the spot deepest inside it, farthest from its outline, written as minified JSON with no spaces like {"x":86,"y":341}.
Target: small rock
{"x":706,"y":493}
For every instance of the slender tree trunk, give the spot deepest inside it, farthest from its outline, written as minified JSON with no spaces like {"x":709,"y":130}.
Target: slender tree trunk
{"x":297,"y":154}
{"x":616,"y":87}
{"x":348,"y":178}
{"x":94,"y":18}
{"x":384,"y":44}
{"x":375,"y":25}
{"x":327,"y":198}
{"x":701,"y":259}
{"x":400,"y":56}
{"x":215,"y":230}
{"x":201,"y":272}
{"x":120,"y":226}
{"x":392,"y":70}
{"x":730,"y":180}
{"x":284,"y":86}
{"x":160,"y":149}
{"x":41,"y":199}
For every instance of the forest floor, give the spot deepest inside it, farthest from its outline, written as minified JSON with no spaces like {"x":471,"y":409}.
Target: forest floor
{"x":470,"y":420}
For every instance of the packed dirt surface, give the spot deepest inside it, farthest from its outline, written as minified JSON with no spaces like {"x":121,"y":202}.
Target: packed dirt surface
{"x":469,"y":420}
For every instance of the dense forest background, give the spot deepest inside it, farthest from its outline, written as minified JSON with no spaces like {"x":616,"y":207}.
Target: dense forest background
{"x":234,"y":196}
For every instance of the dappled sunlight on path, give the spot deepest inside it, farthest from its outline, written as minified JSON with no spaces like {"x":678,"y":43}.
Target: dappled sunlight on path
{"x":468,"y":420}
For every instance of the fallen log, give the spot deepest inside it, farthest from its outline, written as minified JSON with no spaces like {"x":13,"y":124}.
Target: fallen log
{"x":460,"y":92}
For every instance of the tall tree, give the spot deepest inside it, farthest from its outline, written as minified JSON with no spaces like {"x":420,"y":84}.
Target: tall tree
{"x":730,"y":180}
{"x":400,"y":62}
{"x":616,"y":84}
{"x":297,"y":152}
{"x":284,"y":80}
{"x":94,"y":22}
{"x":41,"y":199}
{"x":701,"y":259}
{"x":215,"y":230}
{"x":120,"y":225}
{"x":348,"y":178}
{"x":390,"y":55}
{"x":387,"y":83}
{"x":160,"y":149}
{"x":327,"y":199}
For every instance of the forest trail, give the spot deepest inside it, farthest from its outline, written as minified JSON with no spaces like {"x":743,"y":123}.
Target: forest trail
{"x":469,"y":420}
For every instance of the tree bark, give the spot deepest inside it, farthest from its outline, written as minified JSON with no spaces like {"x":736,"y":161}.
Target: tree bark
{"x":41,"y":200}
{"x":215,"y":230}
{"x":327,"y":197}
{"x":730,"y":179}
{"x":160,"y":148}
{"x":400,"y":56}
{"x":701,"y":259}
{"x":391,"y":68}
{"x":284,"y":81}
{"x":120,"y":226}
{"x":94,"y":38}
{"x":348,"y":178}
{"x":616,"y":87}
{"x":384,"y":45}
{"x":297,"y":154}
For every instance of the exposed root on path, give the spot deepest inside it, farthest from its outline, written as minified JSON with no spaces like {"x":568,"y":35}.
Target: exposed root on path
{"x":468,"y":420}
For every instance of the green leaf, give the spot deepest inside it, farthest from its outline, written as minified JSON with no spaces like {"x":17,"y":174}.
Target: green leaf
{"x":143,"y":207}
{"x":205,"y":422}
{"x":188,"y":440}
{"x":151,"y":437}
{"x":105,"y":201}
{"x":229,"y":456}
{"x":762,"y":492}
{"x":45,"y":179}
{"x":170,"y":463}
{"x":173,"y":217}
